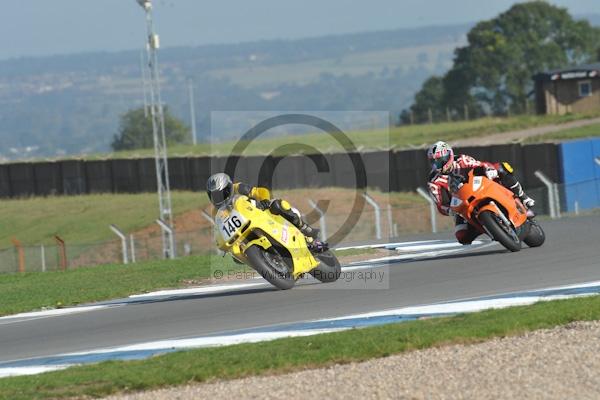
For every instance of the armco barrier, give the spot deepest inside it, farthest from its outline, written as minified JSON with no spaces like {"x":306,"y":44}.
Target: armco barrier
{"x":385,"y":170}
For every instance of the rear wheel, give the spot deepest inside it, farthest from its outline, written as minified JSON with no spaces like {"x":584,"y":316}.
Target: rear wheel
{"x":536,"y":236}
{"x":500,"y":231}
{"x":329,"y":269}
{"x":271,"y":265}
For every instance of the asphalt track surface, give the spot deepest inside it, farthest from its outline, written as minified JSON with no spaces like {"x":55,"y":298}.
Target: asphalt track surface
{"x":571,"y":255}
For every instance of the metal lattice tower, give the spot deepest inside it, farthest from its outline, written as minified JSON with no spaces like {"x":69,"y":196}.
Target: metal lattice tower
{"x":158,"y":134}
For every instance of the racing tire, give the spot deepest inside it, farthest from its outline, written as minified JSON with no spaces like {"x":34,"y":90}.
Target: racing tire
{"x":271,"y":266}
{"x":536,"y":236}
{"x":329,"y":269}
{"x":499,"y":233}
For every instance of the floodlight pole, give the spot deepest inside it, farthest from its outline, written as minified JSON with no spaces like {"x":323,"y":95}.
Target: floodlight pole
{"x":158,"y":133}
{"x":144,"y":81}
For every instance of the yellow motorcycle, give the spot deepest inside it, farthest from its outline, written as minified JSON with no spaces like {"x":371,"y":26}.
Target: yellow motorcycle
{"x":270,"y":244}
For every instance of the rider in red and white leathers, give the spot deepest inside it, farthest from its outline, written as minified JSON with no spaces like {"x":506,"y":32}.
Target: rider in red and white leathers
{"x":445,"y":163}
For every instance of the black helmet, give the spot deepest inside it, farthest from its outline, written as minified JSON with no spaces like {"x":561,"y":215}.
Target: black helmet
{"x":219,"y":189}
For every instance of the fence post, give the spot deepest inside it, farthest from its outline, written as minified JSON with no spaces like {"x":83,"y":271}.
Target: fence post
{"x":322,"y":222}
{"x":62,"y":252}
{"x":43,"y":253}
{"x":466,"y":112}
{"x":132,"y":245}
{"x":167,"y":228}
{"x":430,"y":115}
{"x":556,"y":199}
{"x":207,"y":217}
{"x":551,"y":193}
{"x":377,"y":214}
{"x":123,"y":238}
{"x":21,"y":254}
{"x":432,"y":208}
{"x":390,"y":220}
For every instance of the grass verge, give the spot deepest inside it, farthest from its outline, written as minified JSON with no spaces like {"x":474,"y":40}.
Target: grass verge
{"x":37,"y":290}
{"x":569,"y":134}
{"x":286,"y":355}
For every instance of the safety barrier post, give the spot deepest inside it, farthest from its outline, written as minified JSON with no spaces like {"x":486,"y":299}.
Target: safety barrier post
{"x":556,"y":199}
{"x":322,"y":222}
{"x":552,"y":192}
{"x":62,"y":252}
{"x":21,"y":254}
{"x":432,"y":208}
{"x":377,"y":214}
{"x":390,"y":220}
{"x":207,"y":217}
{"x":123,"y":238}
{"x":132,"y":246}
{"x":43,"y":254}
{"x":169,"y":230}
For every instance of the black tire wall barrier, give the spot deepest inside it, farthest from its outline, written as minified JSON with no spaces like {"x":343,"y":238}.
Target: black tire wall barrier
{"x":386,"y":170}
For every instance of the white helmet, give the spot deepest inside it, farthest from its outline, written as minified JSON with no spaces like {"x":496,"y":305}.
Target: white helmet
{"x":441,"y":157}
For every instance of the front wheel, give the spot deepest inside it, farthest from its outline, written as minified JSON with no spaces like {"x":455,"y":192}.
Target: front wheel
{"x":500,"y":232}
{"x":536,"y":236}
{"x":271,"y":266}
{"x":329,"y":269}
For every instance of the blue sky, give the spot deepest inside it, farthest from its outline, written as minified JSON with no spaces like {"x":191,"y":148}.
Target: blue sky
{"x":41,"y":27}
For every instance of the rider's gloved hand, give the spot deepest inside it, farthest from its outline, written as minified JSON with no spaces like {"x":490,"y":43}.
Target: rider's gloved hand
{"x":491,"y":173}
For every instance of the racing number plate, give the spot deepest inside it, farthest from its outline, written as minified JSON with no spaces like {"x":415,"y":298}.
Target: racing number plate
{"x":230,"y":225}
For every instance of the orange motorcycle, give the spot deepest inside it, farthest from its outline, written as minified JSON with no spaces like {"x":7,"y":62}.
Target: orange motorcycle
{"x":494,"y":210}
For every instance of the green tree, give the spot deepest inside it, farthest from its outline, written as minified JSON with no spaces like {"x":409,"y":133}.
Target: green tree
{"x":493,"y":72}
{"x":135,"y":131}
{"x":428,"y":98}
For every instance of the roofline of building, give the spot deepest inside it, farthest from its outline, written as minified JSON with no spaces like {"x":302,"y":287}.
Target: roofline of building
{"x":589,"y":71}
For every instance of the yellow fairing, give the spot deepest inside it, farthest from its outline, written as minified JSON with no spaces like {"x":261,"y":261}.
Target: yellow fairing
{"x":261,"y":193}
{"x":269,"y":229}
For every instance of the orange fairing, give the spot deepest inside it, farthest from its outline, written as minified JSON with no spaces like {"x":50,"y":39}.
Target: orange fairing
{"x":479,"y":193}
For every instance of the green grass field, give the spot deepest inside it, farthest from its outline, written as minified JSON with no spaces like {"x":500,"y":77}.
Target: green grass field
{"x":293,"y":354}
{"x":397,"y":137}
{"x":84,"y":219}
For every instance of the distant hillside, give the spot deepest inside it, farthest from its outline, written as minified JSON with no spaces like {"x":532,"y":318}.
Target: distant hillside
{"x":66,"y":105}
{"x":71,"y":104}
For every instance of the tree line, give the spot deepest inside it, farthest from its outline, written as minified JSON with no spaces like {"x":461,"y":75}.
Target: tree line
{"x":492,"y":74}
